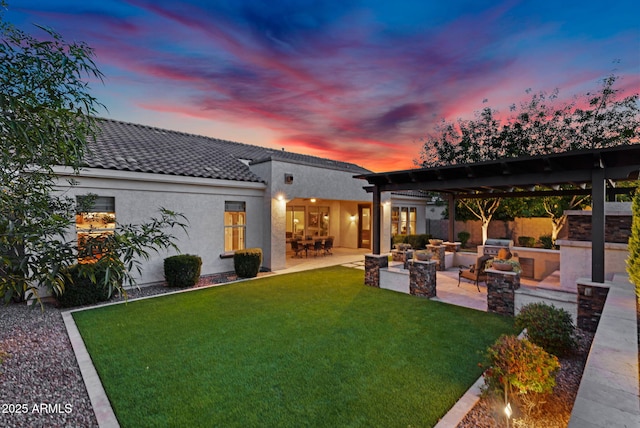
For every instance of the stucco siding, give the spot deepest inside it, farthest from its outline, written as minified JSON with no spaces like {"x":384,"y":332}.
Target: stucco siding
{"x":138,"y":198}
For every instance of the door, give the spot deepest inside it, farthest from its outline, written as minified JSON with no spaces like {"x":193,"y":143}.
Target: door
{"x":364,"y":226}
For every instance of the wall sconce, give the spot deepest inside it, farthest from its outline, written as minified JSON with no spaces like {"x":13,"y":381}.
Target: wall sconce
{"x":313,"y":200}
{"x":353,"y":218}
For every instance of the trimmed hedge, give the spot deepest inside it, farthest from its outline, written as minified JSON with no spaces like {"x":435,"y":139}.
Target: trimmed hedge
{"x":247,"y":262}
{"x":416,"y":241}
{"x":182,"y":270}
{"x":80,"y":289}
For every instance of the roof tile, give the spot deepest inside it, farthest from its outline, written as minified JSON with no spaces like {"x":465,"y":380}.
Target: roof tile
{"x":132,"y":147}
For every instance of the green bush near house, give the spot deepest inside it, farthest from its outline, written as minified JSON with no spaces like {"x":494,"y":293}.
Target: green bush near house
{"x":247,"y":262}
{"x":549,"y":327}
{"x":182,"y":270}
{"x":464,"y":237}
{"x":416,"y":241}
{"x":398,"y":239}
{"x":526,"y":241}
{"x":84,"y":285}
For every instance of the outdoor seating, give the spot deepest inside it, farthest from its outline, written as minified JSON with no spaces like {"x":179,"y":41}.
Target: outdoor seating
{"x":317,"y":246}
{"x":328,"y":246}
{"x":296,"y":248}
{"x":475,"y":272}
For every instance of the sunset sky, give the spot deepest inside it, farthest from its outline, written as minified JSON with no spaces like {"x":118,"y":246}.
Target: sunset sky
{"x":352,"y":80}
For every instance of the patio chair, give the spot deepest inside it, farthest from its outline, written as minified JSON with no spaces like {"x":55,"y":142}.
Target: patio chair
{"x":475,"y":272}
{"x":296,"y":248}
{"x":328,"y":245}
{"x":317,"y":246}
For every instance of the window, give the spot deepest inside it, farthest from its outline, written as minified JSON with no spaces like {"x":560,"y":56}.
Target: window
{"x":403,"y":220}
{"x":307,"y":221}
{"x":95,"y":219}
{"x":318,"y":224}
{"x":295,"y":222}
{"x":235,"y":225}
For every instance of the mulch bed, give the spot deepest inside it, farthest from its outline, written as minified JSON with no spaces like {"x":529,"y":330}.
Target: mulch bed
{"x":554,"y":412}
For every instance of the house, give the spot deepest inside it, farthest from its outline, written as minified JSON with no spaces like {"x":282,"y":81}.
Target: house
{"x":233,"y":195}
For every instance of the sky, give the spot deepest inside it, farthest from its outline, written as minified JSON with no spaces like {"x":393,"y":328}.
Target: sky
{"x":351,"y":80}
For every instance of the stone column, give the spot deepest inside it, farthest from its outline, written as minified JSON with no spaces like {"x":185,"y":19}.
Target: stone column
{"x":591,"y":298}
{"x":438,"y":255}
{"x":422,"y":278}
{"x":372,"y":265}
{"x":501,"y":288}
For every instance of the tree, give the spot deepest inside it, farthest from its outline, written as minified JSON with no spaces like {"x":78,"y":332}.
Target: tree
{"x":633,"y":262}
{"x":47,"y":115}
{"x":539,"y":126}
{"x":555,"y":207}
{"x":483,"y":209}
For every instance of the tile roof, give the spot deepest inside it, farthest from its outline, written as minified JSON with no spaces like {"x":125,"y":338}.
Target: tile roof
{"x":131,"y":147}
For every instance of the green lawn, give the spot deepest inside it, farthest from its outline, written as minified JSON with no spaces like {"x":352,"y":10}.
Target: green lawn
{"x":315,"y":348}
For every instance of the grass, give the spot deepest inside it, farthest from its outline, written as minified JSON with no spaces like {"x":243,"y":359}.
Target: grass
{"x":315,"y":348}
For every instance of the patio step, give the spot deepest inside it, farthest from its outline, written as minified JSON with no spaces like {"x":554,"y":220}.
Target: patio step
{"x":557,"y":297}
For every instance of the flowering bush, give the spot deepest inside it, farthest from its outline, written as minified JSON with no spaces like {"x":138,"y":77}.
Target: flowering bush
{"x":525,"y":370}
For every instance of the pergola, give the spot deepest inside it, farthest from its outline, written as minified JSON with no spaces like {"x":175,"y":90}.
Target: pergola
{"x":596,"y":172}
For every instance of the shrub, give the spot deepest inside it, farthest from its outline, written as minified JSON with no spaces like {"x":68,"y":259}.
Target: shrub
{"x":418,"y":241}
{"x":399,"y":239}
{"x":84,"y":285}
{"x":464,"y":237}
{"x":549,"y":327}
{"x":546,"y":241}
{"x":247,"y":262}
{"x":633,"y":261}
{"x":522,"y":368}
{"x":182,"y":270}
{"x":526,"y":241}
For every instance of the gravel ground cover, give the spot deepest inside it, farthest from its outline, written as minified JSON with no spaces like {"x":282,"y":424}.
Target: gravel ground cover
{"x":41,"y":384}
{"x":40,"y":381}
{"x":555,"y":412}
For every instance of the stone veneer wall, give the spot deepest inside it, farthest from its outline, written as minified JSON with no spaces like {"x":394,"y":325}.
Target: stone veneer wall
{"x":591,"y":299}
{"x":372,"y":265}
{"x":422,"y":278}
{"x":438,"y":255}
{"x":617,"y":228}
{"x":501,"y":288}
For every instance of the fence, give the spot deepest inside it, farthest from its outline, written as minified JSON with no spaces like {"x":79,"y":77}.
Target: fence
{"x":534,"y":227}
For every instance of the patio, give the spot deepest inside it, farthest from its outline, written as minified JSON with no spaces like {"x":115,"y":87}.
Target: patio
{"x":465,"y":295}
